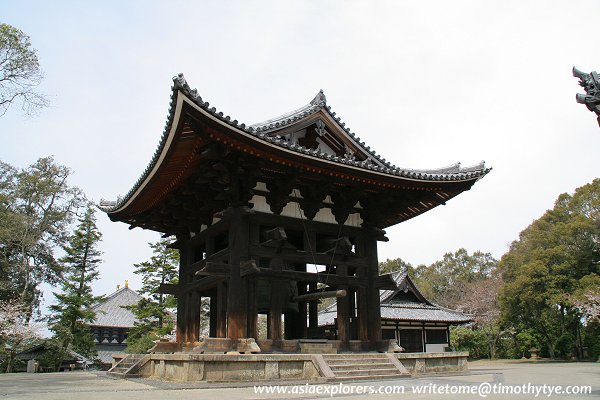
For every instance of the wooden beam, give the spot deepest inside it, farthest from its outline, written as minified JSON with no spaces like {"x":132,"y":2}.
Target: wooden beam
{"x":168,"y":288}
{"x":215,"y":258}
{"x":205,"y":283}
{"x":299,"y":276}
{"x":320,"y":295}
{"x":249,"y":268}
{"x":214,"y":269}
{"x":305,"y":257}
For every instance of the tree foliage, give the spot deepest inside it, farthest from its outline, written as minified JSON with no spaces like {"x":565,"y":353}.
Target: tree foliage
{"x":397,"y":264}
{"x":37,"y":206}
{"x":20,"y":72}
{"x":73,"y":310}
{"x":447,"y":281}
{"x":556,"y":256}
{"x":152,"y":312}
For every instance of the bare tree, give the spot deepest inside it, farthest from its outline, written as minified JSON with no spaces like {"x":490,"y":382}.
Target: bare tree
{"x":20,"y":72}
{"x":482,"y":303}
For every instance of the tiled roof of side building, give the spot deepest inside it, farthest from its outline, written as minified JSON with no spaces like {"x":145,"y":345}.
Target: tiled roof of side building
{"x":404,"y":310}
{"x":111,"y":311}
{"x":264,"y":131}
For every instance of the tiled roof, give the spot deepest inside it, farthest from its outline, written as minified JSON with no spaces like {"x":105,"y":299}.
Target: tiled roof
{"x":106,"y":355}
{"x":111,"y":313}
{"x":39,"y":350}
{"x":264,"y":132}
{"x":408,"y":311}
{"x":394,"y":309}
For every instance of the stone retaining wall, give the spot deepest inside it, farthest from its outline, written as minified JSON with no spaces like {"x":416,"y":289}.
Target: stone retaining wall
{"x":434,"y":363}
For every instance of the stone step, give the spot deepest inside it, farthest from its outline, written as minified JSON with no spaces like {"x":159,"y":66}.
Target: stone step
{"x":354,"y":357}
{"x":368,"y":377}
{"x":374,"y":366}
{"x":356,"y":360}
{"x":367,"y":372}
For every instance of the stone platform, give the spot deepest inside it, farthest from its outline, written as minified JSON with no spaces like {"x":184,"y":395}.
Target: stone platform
{"x":188,"y":367}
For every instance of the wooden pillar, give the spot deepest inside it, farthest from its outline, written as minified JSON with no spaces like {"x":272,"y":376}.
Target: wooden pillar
{"x":372,"y":308}
{"x":189,"y":320}
{"x":313,"y":310}
{"x":362,"y":309}
{"x":276,"y":306}
{"x":221,"y":308}
{"x":352,"y":313}
{"x":237,"y":312}
{"x":182,"y":310}
{"x":288,"y":325}
{"x":252,"y":283}
{"x":299,"y":318}
{"x":310,"y":245}
{"x":252,"y":309}
{"x":196,"y":306}
{"x":212,"y":326}
{"x":343,"y":309}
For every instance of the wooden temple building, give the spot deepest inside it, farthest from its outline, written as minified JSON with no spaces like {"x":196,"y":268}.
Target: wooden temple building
{"x":271,"y":217}
{"x":408,"y":317}
{"x":112,"y":323}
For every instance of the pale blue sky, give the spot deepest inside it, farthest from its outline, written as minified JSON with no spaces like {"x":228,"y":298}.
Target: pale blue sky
{"x":424,"y":83}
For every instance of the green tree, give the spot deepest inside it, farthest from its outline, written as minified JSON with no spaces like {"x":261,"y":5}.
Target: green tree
{"x":446,"y":282}
{"x":152,"y":312}
{"x":20,"y":72}
{"x":554,"y":257}
{"x":397,"y":264}
{"x":74,"y":308}
{"x":36,"y":208}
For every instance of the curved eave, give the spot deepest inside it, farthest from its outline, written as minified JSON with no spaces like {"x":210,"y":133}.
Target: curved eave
{"x":178,"y":151}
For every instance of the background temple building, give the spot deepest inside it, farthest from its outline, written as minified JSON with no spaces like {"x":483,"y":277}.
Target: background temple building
{"x":407,"y":316}
{"x":112,"y":323}
{"x":262,"y":214}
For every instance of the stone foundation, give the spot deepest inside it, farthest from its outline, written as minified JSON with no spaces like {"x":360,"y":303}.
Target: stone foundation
{"x":186,"y":367}
{"x":434,"y":363}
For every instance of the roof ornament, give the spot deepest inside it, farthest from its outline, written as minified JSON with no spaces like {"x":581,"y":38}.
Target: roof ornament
{"x":591,"y":84}
{"x":126,"y":284}
{"x":320,"y":99}
{"x":180,"y":81}
{"x":320,"y":128}
{"x":348,"y":153}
